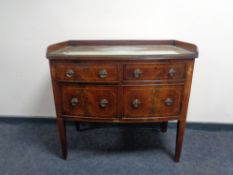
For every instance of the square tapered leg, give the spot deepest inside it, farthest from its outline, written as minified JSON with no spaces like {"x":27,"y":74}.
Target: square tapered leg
{"x":179,"y":139}
{"x":62,"y":135}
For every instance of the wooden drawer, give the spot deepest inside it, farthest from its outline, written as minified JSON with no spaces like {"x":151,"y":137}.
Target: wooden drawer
{"x":154,"y":72}
{"x":152,"y":101}
{"x":87,"y":72}
{"x":89,"y":101}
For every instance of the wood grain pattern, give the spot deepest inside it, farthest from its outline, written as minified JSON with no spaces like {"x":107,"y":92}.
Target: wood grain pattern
{"x":157,"y":72}
{"x":182,"y":122}
{"x":82,"y":95}
{"x":152,"y":100}
{"x":89,"y":98}
{"x":87,"y":72}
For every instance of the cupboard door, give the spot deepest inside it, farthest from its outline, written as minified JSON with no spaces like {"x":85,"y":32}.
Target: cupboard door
{"x":152,"y":101}
{"x":89,"y":101}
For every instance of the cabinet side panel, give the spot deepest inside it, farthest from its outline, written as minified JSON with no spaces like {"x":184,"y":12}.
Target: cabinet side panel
{"x":187,"y":88}
{"x":56,"y":89}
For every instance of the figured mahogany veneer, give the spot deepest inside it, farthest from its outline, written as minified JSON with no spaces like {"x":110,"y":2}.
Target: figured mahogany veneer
{"x":90,"y":101}
{"x":122,"y":82}
{"x":154,"y":101}
{"x":87,"y":72}
{"x":154,"y":72}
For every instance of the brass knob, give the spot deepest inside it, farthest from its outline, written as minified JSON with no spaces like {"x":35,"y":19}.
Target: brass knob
{"x":103,"y":73}
{"x":74,"y":101}
{"x":70,"y":73}
{"x":137,"y":73}
{"x":168,"y":102}
{"x":136,"y":103}
{"x":103,"y":103}
{"x":171,"y":72}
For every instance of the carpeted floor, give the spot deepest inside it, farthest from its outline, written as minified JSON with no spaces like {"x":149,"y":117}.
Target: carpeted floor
{"x":31,"y":147}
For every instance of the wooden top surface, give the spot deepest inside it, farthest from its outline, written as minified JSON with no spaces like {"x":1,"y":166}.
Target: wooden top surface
{"x":107,"y":49}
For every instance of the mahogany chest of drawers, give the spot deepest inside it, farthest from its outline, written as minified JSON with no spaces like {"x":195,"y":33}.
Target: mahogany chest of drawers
{"x":122,"y":82}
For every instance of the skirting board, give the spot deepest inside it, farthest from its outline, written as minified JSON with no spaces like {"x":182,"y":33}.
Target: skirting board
{"x":190,"y":125}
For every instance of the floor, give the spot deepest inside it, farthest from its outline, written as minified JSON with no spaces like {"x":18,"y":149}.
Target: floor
{"x":31,"y":147}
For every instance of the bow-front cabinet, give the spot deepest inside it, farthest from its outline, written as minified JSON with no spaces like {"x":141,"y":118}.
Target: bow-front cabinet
{"x":122,"y":81}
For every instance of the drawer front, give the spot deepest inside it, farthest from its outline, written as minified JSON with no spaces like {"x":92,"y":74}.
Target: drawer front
{"x":89,"y":101}
{"x":153,"y":72}
{"x":152,"y":101}
{"x":87,"y":72}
